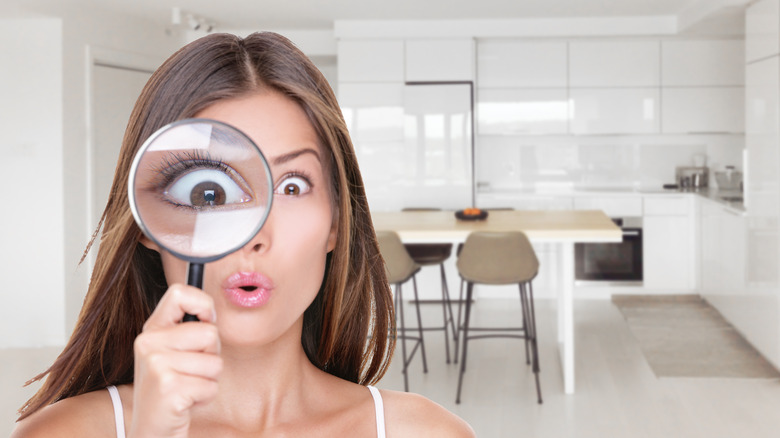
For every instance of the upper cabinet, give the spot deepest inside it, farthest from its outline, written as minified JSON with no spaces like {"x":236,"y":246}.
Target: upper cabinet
{"x":509,"y":63}
{"x":762,"y":30}
{"x":614,"y":63}
{"x":439,"y":60}
{"x":371,"y":61}
{"x":614,"y":111}
{"x":702,"y":63}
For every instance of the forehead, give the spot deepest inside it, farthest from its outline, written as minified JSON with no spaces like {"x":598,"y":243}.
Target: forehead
{"x":276,"y":123}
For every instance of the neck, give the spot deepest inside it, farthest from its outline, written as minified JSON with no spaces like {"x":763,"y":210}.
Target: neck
{"x":262,"y":386}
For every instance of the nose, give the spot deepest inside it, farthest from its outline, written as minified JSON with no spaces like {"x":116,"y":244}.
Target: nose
{"x":262,"y":240}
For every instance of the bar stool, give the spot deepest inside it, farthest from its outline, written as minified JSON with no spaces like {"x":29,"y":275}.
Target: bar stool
{"x":400,"y":269}
{"x":435,"y":254}
{"x":498,"y":258}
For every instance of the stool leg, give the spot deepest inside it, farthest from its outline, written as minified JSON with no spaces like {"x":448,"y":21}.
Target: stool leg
{"x":445,"y":301}
{"x":465,"y":339}
{"x":526,"y":333}
{"x":419,"y":325}
{"x":446,"y":291}
{"x":457,"y":326}
{"x":399,"y":305}
{"x":534,"y":344}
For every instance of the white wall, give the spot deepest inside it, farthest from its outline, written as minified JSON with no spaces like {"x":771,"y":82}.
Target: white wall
{"x":46,"y":124}
{"x":31,"y":216}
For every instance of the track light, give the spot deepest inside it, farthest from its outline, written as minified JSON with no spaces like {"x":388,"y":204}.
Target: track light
{"x":189,"y":21}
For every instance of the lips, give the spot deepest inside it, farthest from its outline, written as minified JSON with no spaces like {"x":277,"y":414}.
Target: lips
{"x":247,"y":289}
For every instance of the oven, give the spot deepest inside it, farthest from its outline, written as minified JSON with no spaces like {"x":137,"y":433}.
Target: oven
{"x":620,"y":263}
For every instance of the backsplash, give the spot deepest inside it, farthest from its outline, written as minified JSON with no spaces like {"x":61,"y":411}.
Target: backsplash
{"x":641,"y":162}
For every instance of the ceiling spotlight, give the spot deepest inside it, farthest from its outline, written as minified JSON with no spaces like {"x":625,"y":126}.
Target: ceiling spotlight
{"x":193,"y":22}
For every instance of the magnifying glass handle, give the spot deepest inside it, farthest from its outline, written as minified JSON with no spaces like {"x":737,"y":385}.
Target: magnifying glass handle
{"x":194,"y":278}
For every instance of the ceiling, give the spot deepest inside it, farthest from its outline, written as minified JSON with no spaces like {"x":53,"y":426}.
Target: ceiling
{"x":320,"y":14}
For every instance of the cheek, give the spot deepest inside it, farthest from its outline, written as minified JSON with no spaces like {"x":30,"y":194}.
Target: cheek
{"x":175,"y":269}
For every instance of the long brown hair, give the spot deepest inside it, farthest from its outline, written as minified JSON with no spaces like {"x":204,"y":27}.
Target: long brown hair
{"x":346,"y":328}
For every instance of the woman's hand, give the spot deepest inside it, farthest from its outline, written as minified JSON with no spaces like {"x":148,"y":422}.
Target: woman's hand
{"x":176,"y":364}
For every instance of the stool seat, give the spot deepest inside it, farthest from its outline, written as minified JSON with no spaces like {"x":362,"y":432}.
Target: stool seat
{"x":496,"y":258}
{"x":429,"y":253}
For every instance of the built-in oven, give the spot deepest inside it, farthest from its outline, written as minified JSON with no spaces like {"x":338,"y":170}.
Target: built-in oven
{"x":621,"y":263}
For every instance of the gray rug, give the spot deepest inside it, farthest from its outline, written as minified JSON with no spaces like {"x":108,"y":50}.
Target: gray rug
{"x":683,"y":336}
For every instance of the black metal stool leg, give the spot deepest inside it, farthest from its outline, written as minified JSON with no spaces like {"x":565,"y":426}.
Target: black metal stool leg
{"x":399,"y":305}
{"x":465,"y":340}
{"x":445,"y":301}
{"x":419,"y":325}
{"x":534,"y":344}
{"x":526,"y":335}
{"x":458,"y":328}
{"x":446,"y":292}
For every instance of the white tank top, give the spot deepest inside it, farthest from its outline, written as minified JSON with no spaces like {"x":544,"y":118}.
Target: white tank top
{"x":119,"y":418}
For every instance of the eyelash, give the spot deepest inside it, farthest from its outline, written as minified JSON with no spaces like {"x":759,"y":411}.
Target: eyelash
{"x":179,"y":163}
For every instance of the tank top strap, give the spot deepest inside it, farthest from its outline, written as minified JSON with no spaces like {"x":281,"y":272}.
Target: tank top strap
{"x":380,"y":412}
{"x":119,"y":417}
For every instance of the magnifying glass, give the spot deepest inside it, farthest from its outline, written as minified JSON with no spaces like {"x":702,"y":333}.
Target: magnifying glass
{"x":200,"y":189}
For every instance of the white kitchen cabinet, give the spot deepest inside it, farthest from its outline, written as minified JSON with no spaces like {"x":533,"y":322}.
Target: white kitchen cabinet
{"x":373,"y":111}
{"x":511,"y":111}
{"x":614,"y":63}
{"x":504,"y":63}
{"x":762,"y":30}
{"x":439,"y":60}
{"x":703,"y":110}
{"x":370,"y":61}
{"x":702,"y":63}
{"x":762,"y":138}
{"x":614,"y":111}
{"x":668,"y":244}
{"x":613,"y":206}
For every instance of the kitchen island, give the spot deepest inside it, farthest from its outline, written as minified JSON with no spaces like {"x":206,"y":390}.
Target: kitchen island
{"x":564,"y":228}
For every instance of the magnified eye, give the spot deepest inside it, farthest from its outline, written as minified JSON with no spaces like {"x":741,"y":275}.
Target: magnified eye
{"x":203,"y":188}
{"x":293,"y":186}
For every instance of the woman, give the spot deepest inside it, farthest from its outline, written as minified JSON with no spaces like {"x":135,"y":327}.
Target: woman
{"x":291,"y":362}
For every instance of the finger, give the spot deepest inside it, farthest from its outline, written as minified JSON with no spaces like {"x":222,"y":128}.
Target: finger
{"x":180,"y":300}
{"x":183,"y":363}
{"x":203,"y":337}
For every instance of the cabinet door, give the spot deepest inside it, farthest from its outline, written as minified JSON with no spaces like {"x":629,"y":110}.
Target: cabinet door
{"x":762,"y":30}
{"x":613,"y":206}
{"x":762,"y":136}
{"x":668,"y":253}
{"x":703,"y":110}
{"x":440,"y":60}
{"x":373,"y":112}
{"x":614,"y":111}
{"x":528,"y":64}
{"x":703,"y":63}
{"x":522,"y":111}
{"x":371,"y":61}
{"x":710,"y":249}
{"x":614,"y":63}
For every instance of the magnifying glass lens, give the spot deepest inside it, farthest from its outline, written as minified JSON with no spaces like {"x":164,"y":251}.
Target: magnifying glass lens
{"x":200,"y":189}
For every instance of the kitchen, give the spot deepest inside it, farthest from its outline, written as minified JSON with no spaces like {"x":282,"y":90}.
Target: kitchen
{"x":569,"y":113}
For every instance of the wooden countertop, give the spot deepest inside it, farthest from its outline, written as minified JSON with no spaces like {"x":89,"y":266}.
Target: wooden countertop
{"x":539,"y":226}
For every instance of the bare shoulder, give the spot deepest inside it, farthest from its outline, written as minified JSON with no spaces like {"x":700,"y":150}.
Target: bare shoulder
{"x":85,"y":415}
{"x":408,"y":414}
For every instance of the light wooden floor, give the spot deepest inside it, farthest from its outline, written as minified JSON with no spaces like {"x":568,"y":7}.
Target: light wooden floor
{"x":617,"y":393}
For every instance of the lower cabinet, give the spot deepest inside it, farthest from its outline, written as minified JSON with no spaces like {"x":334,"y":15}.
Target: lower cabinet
{"x":668,"y":244}
{"x":722,"y":251}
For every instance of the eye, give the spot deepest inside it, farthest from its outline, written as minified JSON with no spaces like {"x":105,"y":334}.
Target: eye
{"x":293,"y":186}
{"x":203,"y":188}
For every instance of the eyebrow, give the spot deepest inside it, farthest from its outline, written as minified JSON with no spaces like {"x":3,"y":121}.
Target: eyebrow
{"x":281,"y":159}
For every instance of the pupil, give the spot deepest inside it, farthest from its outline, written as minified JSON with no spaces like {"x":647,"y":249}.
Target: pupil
{"x":207,"y":194}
